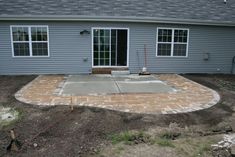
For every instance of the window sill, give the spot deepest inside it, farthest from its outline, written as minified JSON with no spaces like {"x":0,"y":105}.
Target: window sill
{"x":30,"y":56}
{"x":171,"y":56}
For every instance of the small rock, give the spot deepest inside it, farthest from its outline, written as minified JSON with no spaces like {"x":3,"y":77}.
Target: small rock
{"x":35,"y":145}
{"x":126,"y":110}
{"x":221,"y":142}
{"x":226,"y":144}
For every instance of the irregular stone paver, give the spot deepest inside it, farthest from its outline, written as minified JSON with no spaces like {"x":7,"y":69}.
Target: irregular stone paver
{"x":190,"y":96}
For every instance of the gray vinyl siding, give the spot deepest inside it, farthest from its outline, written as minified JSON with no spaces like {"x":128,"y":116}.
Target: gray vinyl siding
{"x":219,"y":42}
{"x":68,"y":49}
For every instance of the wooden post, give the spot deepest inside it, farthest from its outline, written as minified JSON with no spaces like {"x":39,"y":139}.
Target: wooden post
{"x":13,"y":137}
{"x":14,"y":145}
{"x":72,"y":103}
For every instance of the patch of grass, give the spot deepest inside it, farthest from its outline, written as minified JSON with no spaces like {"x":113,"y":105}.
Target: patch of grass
{"x":164,"y":142}
{"x":169,"y":135}
{"x":129,"y":137}
{"x":184,"y":146}
{"x":126,"y":137}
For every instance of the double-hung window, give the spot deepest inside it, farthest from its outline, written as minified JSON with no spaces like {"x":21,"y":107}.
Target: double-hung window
{"x":172,"y":42}
{"x":30,"y":41}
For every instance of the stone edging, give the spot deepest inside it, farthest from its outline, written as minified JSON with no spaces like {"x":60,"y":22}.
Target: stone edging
{"x":19,"y":94}
{"x":214,"y":101}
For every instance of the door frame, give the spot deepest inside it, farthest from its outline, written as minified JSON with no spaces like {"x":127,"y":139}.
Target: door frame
{"x":92,"y":48}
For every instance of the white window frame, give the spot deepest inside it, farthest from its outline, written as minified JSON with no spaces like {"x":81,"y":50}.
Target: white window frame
{"x":30,"y":41}
{"x":110,"y":28}
{"x":172,"y":43}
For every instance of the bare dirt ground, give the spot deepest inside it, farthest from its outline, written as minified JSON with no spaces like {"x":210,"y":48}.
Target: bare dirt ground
{"x":84,"y":131}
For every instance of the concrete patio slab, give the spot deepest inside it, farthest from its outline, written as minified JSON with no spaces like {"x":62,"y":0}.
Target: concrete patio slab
{"x":90,"y":88}
{"x":108,"y":84}
{"x":89,"y":78}
{"x":187,"y":96}
{"x":144,"y":87}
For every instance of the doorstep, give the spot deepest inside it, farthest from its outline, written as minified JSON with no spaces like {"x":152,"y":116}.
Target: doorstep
{"x":107,"y":70}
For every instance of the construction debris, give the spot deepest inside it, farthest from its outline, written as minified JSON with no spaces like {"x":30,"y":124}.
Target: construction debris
{"x":224,"y":148}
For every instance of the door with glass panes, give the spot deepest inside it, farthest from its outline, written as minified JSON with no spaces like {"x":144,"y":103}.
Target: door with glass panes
{"x":110,"y":47}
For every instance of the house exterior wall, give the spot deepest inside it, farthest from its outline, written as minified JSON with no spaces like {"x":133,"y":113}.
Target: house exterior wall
{"x":69,"y":50}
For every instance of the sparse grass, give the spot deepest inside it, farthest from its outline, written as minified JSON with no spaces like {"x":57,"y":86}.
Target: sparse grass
{"x":185,"y":146}
{"x":122,"y":137}
{"x":119,"y":149}
{"x":165,"y":138}
{"x":195,"y":147}
{"x":163,"y":142}
{"x":169,"y":135}
{"x":129,"y":137}
{"x":202,"y":148}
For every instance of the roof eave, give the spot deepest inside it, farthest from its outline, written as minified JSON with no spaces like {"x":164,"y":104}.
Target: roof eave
{"x":115,"y":19}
